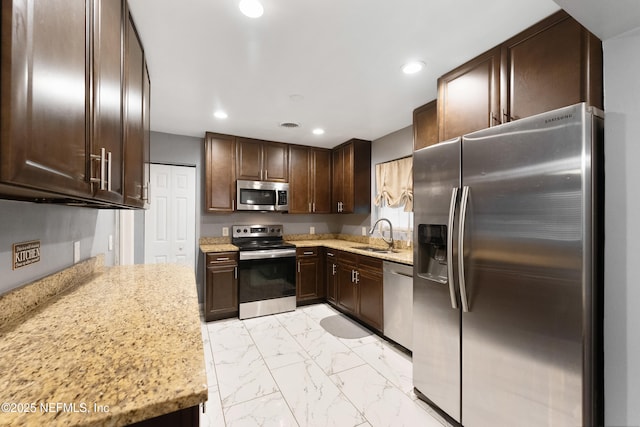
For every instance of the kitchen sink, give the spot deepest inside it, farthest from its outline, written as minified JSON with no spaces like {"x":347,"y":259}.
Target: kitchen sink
{"x":376,"y":249}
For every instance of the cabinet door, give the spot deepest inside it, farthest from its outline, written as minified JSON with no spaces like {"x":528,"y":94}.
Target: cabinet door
{"x":331,"y":275}
{"x":309,"y":278}
{"x":275,"y":162}
{"x":321,"y":185}
{"x":370,"y":303}
{"x":220,"y":185}
{"x":44,"y":93}
{"x":551,"y":65}
{"x":468,"y":97}
{"x":347,"y":183}
{"x":337,"y":162}
{"x":146,"y":128}
{"x":134,"y":121}
{"x":299,"y":183}
{"x":249,"y":159}
{"x":425,"y":125}
{"x":347,"y":296}
{"x":106,"y":130}
{"x":221,"y":285}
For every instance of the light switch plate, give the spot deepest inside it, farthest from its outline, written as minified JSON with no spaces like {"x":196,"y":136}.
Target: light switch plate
{"x":364,"y":231}
{"x":312,"y":230}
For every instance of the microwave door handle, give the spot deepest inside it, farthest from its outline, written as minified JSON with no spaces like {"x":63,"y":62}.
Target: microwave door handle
{"x":452,"y":211}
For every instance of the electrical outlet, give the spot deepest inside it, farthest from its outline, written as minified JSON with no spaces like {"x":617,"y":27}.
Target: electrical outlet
{"x":76,"y":252}
{"x":364,"y":231}
{"x":312,"y":230}
{"x":225,"y":231}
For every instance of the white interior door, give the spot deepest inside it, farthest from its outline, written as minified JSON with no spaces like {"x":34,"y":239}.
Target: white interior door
{"x":170,"y":229}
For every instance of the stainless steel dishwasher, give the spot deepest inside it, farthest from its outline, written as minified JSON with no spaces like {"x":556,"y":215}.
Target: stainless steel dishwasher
{"x":398,"y":303}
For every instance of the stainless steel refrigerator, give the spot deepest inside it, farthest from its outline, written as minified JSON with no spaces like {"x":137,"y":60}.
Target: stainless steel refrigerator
{"x":507,"y":272}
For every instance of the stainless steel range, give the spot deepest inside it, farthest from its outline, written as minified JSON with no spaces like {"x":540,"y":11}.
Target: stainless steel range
{"x":267,"y":276}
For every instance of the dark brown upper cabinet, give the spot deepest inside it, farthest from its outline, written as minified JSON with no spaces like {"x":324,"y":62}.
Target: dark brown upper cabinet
{"x":134,"y":133}
{"x":106,"y":130}
{"x":262,"y":160}
{"x":309,"y":180}
{"x":555,"y":63}
{"x":425,"y":125}
{"x":220,"y":171}
{"x":351,"y":186}
{"x":74,"y":104}
{"x":44,"y":92}
{"x":469,"y":96}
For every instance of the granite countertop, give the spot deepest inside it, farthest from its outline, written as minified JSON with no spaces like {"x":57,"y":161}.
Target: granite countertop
{"x":403,"y":256}
{"x":123,"y":346}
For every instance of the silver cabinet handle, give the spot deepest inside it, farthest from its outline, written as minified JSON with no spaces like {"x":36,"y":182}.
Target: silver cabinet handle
{"x":298,"y":266}
{"x":266,"y":175}
{"x":333,"y":269}
{"x":353,"y":276}
{"x":102,"y":168}
{"x":309,"y":206}
{"x":357,"y":276}
{"x":307,"y":253}
{"x":109,"y":172}
{"x":314,"y":207}
{"x":452,"y":212}
{"x":222,"y":259}
{"x":233,"y":205}
{"x":463,"y":215}
{"x":235,"y":272}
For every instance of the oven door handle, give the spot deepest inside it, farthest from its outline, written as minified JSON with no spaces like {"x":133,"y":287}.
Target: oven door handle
{"x":267,"y":253}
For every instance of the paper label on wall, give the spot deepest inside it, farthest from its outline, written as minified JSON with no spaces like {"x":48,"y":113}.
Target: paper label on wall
{"x":26,"y":253}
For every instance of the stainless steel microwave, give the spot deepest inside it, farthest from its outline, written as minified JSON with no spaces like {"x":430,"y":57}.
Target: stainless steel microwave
{"x":262,"y":196}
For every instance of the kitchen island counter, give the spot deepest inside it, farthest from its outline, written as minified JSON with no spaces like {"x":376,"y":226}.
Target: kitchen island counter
{"x":122,"y":346}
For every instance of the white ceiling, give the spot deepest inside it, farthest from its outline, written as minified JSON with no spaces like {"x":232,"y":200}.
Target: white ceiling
{"x":342,"y":56}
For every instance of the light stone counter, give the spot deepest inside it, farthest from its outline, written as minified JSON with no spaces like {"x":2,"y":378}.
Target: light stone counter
{"x":120,"y":347}
{"x":403,"y":256}
{"x":334,"y":241}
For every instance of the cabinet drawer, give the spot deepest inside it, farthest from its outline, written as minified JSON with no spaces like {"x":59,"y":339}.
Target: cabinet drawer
{"x":217,"y":258}
{"x":374,"y":265}
{"x":347,"y":257}
{"x":307,"y":252}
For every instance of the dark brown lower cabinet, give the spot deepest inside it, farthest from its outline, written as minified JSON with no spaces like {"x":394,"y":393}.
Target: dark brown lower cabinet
{"x":188,"y":417}
{"x":331,"y":275}
{"x":359,"y":288}
{"x":309,"y":276}
{"x":221,"y":286}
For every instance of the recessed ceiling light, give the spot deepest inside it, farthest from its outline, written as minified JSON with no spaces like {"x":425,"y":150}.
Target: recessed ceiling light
{"x":318,"y":131}
{"x":220,"y":114}
{"x":413,"y":67}
{"x":251,"y":8}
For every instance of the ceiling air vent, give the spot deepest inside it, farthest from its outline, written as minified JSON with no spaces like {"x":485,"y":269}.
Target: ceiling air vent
{"x":289,"y":125}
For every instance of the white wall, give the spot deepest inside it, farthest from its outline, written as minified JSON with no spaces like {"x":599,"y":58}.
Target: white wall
{"x":57,"y":227}
{"x":622,"y":229}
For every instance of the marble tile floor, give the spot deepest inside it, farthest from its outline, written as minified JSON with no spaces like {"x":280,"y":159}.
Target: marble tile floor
{"x":286,"y":370}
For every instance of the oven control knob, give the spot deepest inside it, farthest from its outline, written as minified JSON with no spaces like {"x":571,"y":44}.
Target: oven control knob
{"x":272,"y":230}
{"x":278,"y":230}
{"x":245,"y":230}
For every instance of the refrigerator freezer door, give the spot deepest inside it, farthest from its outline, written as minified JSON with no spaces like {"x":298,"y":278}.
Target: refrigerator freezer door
{"x":526,"y":235}
{"x":436,"y":330}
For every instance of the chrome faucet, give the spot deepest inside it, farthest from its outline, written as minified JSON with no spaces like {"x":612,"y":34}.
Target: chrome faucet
{"x":390,"y":243}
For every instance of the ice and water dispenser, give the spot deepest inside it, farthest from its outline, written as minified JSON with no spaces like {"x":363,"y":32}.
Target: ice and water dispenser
{"x":432,"y":252}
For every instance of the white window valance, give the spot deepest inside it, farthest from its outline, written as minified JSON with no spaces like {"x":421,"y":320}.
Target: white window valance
{"x":394,"y":184}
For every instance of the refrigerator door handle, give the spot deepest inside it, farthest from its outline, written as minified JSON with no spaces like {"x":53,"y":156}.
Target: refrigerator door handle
{"x":452,"y":211}
{"x":463,"y":214}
